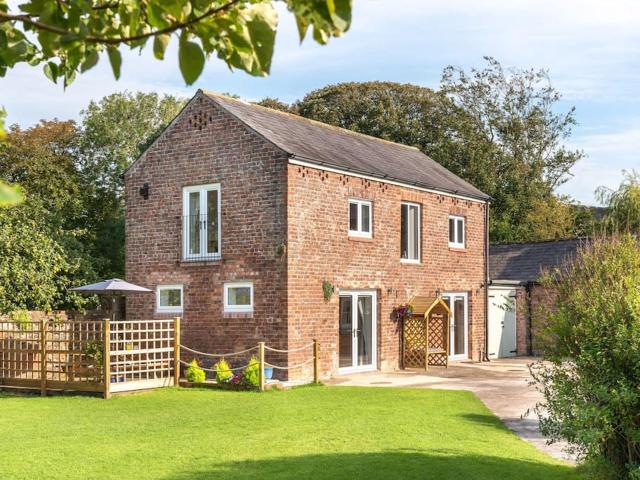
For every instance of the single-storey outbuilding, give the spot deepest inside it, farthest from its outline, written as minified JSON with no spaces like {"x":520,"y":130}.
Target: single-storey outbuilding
{"x":515,"y":292}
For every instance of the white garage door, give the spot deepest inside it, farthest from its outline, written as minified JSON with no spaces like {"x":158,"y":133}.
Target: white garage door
{"x":502,"y":322}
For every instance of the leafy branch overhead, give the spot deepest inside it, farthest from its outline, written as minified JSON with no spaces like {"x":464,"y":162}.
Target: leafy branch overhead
{"x":67,"y":37}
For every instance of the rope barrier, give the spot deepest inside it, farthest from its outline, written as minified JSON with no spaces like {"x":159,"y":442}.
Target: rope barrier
{"x":289,"y":351}
{"x":218,"y":355}
{"x":278,"y":367}
{"x":213,"y":370}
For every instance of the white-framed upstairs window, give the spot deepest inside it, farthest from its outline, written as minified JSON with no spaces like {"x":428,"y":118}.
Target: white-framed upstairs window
{"x":201,"y":222}
{"x":456,"y":231}
{"x":360,"y":224}
{"x":169,"y":298}
{"x":410,"y":233}
{"x":238,"y":297}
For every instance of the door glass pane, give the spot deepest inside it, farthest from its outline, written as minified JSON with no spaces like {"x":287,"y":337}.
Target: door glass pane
{"x":460,"y":231}
{"x":345,"y":346}
{"x":458,"y":326}
{"x":404,"y":238}
{"x":366,"y":214}
{"x":212,"y":222}
{"x":193,"y":229}
{"x":365,"y":334}
{"x":353,"y":216}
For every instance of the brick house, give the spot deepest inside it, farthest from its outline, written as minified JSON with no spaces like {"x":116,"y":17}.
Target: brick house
{"x":515,"y":270}
{"x":237,"y":216}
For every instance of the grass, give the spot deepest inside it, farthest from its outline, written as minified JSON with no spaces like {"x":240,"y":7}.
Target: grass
{"x":305,"y":433}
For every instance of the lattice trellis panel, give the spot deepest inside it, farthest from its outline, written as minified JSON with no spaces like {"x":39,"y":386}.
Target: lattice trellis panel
{"x":438,"y":339}
{"x":142,"y":354}
{"x":415,"y":342}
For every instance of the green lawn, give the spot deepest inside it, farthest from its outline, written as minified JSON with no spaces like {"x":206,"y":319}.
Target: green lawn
{"x":305,"y":433}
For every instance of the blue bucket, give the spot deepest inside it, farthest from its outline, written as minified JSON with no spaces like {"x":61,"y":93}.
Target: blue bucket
{"x":268,"y":373}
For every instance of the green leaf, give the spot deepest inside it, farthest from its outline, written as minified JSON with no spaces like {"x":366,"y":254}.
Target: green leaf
{"x":51,"y":71}
{"x":90,"y":61}
{"x":191,"y":60}
{"x":116,"y":61}
{"x":160,"y":44}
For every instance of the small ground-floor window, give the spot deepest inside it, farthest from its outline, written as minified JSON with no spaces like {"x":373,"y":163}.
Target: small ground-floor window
{"x":169,"y":298}
{"x":238,"y":297}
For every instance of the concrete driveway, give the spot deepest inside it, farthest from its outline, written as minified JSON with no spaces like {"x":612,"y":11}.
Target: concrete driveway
{"x":501,"y":384}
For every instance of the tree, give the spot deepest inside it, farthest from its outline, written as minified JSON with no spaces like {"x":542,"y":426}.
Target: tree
{"x":513,"y":140}
{"x":623,"y":212}
{"x":42,"y":240}
{"x":114,"y":132}
{"x":276,"y":104}
{"x":497,"y":129}
{"x":402,"y":113}
{"x":591,"y":343}
{"x":9,"y":195}
{"x":68,"y":37}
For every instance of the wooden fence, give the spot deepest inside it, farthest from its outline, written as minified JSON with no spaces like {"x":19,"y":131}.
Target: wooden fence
{"x":65,"y":355}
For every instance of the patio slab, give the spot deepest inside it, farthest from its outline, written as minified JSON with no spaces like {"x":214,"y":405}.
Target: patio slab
{"x":501,"y":384}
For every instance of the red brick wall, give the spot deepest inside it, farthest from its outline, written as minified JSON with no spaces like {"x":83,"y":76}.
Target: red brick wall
{"x":206,"y":145}
{"x":522,"y":321}
{"x":320,"y":249}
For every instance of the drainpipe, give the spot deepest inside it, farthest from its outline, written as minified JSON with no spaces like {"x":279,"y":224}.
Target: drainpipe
{"x":485,"y":356}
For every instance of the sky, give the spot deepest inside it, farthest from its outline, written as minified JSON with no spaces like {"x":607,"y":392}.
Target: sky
{"x":590,"y":48}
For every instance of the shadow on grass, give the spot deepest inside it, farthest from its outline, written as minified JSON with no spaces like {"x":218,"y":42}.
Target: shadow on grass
{"x":401,"y":464}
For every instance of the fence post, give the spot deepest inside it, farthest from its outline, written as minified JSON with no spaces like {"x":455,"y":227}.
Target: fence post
{"x":176,"y":351}
{"x":43,"y":357}
{"x":316,"y":362}
{"x":261,"y":360}
{"x":106,"y":358}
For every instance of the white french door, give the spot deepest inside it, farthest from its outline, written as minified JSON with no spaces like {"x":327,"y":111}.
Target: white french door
{"x":201,"y":222}
{"x":357,"y":344}
{"x":458,"y":324}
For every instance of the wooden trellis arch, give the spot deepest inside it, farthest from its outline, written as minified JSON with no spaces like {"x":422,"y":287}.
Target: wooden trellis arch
{"x":425,"y":339}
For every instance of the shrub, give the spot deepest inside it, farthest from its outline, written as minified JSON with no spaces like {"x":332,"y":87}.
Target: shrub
{"x":93,"y":352}
{"x":592,"y":344}
{"x":194,"y":373}
{"x":251,"y":374}
{"x":223,"y":372}
{"x":22,"y":319}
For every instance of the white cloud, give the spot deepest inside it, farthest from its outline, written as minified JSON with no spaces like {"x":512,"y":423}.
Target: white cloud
{"x":608,"y":155}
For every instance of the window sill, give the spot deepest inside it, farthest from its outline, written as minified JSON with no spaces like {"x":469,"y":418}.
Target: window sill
{"x":457,"y":249}
{"x":237,"y":314}
{"x":200,"y":261}
{"x":355,"y":238}
{"x":170,"y":312}
{"x":410,"y":262}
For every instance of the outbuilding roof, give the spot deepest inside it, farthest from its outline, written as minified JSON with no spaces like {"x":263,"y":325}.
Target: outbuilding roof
{"x":525,"y":262}
{"x":333,"y":147}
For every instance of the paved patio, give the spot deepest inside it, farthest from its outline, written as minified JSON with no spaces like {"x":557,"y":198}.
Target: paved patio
{"x":501,"y":384}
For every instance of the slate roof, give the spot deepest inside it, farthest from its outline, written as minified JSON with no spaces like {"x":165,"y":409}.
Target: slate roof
{"x":333,"y":147}
{"x":524,"y":262}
